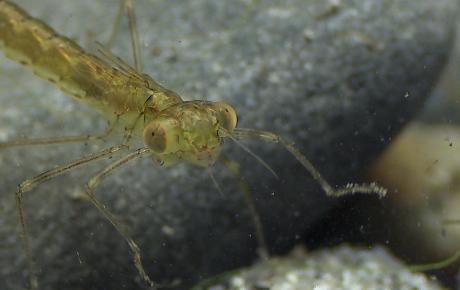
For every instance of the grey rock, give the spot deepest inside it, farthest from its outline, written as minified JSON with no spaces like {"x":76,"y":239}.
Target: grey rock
{"x":339,"y":81}
{"x":340,"y":268}
{"x":442,"y":105}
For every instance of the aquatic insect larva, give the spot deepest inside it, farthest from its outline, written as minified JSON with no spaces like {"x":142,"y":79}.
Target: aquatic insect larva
{"x":171,"y":129}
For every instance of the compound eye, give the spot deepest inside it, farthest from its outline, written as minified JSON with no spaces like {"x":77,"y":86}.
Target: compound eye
{"x":162,"y":135}
{"x":155,"y":137}
{"x":227,"y":116}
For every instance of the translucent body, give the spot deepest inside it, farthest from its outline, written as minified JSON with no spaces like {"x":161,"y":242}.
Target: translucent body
{"x":62,"y":62}
{"x":117,"y":91}
{"x":172,"y":130}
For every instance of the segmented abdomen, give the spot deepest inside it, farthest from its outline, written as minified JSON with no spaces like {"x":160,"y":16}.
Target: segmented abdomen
{"x":61,"y":61}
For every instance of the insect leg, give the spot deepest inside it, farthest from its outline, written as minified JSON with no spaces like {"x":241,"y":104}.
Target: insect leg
{"x":116,"y":24}
{"x":350,"y":188}
{"x":214,"y":180}
{"x":29,"y":184}
{"x":57,"y":140}
{"x":129,"y":130}
{"x":233,"y":167}
{"x":91,"y":186}
{"x":135,"y":43}
{"x":127,"y":6}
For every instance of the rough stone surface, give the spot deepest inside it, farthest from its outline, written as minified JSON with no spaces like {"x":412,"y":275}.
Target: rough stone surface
{"x":337,"y":80}
{"x":341,"y":268}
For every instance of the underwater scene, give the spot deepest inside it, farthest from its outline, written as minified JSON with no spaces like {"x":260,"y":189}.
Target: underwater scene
{"x":231,"y":144}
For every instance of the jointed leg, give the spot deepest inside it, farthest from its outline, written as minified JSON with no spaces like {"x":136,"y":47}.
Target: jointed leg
{"x":233,"y":167}
{"x":29,"y":184}
{"x":116,"y":24}
{"x":134,"y":35}
{"x":58,"y":140}
{"x":91,"y":186}
{"x":129,"y":130}
{"x":214,"y":180}
{"x":330,"y":191}
{"x":127,"y":6}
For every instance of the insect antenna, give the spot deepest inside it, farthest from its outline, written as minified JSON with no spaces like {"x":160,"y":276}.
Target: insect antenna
{"x":249,"y":151}
{"x":350,"y":188}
